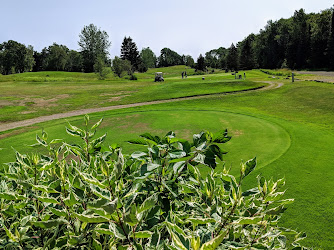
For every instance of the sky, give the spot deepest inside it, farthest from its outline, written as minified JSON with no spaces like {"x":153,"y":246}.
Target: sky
{"x":188,"y":27}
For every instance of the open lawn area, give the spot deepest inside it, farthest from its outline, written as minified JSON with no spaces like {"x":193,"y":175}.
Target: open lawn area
{"x":28,"y":95}
{"x":289,"y":129}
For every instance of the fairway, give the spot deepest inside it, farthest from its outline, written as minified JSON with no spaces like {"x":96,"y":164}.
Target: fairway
{"x":122,"y":129}
{"x":289,"y":129}
{"x":123,"y":126}
{"x":46,"y":93}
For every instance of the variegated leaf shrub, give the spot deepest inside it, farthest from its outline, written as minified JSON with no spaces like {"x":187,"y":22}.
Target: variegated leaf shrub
{"x":90,"y":196}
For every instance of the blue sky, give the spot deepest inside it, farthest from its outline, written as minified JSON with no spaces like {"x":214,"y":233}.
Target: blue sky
{"x":186,"y":26}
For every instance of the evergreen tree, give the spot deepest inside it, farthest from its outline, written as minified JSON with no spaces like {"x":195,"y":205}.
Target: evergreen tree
{"x":130,"y":52}
{"x":299,"y":46}
{"x":200,"y":65}
{"x":247,"y":58}
{"x":320,"y":33}
{"x":330,"y":48}
{"x":232,"y":58}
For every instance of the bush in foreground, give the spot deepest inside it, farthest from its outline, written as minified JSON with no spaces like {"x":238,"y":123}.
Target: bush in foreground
{"x":92,"y":197}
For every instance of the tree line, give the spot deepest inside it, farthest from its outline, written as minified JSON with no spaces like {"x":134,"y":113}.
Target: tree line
{"x":303,"y":41}
{"x":94,"y":43}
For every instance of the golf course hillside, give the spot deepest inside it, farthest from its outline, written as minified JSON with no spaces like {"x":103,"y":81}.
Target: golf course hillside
{"x":287,"y":126}
{"x":35,"y":94}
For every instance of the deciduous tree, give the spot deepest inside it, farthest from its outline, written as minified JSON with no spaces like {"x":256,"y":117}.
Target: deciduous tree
{"x":169,"y":57}
{"x":74,"y":61}
{"x":93,"y":42}
{"x":148,"y":57}
{"x":119,"y":66}
{"x":55,"y":57}
{"x":15,"y":57}
{"x":189,"y":61}
{"x":100,"y":68}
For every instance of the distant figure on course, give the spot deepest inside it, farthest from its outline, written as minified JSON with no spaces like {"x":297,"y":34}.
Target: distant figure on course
{"x":182,"y":74}
{"x":185,"y":73}
{"x":244,"y":75}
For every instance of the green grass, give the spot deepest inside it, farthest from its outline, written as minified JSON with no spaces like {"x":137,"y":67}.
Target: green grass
{"x":124,"y":125}
{"x":278,"y":72}
{"x":28,"y":95}
{"x":289,"y":129}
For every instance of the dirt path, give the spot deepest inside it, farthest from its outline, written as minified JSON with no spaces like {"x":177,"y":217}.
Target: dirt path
{"x":29,"y":122}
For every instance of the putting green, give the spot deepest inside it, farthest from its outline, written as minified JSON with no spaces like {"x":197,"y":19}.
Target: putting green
{"x":251,"y":136}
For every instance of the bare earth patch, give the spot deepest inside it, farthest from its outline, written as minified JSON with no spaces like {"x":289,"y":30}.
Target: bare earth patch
{"x":40,"y":102}
{"x":117,"y":98}
{"x":5,"y":103}
{"x":237,"y":133}
{"x":27,"y":112}
{"x":184,"y":134}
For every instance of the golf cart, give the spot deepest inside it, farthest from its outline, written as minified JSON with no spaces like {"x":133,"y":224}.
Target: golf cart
{"x":158,"y":77}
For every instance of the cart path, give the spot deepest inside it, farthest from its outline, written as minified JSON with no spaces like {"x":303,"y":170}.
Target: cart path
{"x":29,"y":122}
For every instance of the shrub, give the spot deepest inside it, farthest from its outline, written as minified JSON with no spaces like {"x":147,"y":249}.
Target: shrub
{"x":133,"y":77}
{"x":100,"y":68}
{"x":90,"y":196}
{"x":119,"y":66}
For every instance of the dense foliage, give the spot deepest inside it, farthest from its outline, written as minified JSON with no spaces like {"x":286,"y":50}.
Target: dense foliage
{"x":15,"y":58}
{"x":304,"y":41}
{"x":100,"y":68}
{"x":216,"y":58}
{"x":55,"y":57}
{"x":94,"y":43}
{"x":129,"y":51}
{"x":200,"y":65}
{"x":148,"y":57}
{"x":89,"y":196}
{"x":120,"y":66}
{"x":169,"y":57}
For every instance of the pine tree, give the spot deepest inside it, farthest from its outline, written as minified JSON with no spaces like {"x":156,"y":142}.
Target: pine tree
{"x":200,"y":63}
{"x":330,"y":47}
{"x":232,"y":58}
{"x":247,"y":58}
{"x":130,"y":52}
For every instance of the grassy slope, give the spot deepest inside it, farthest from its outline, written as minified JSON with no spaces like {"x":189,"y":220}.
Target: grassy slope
{"x":305,"y":110}
{"x":44,"y":93}
{"x":300,"y":113}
